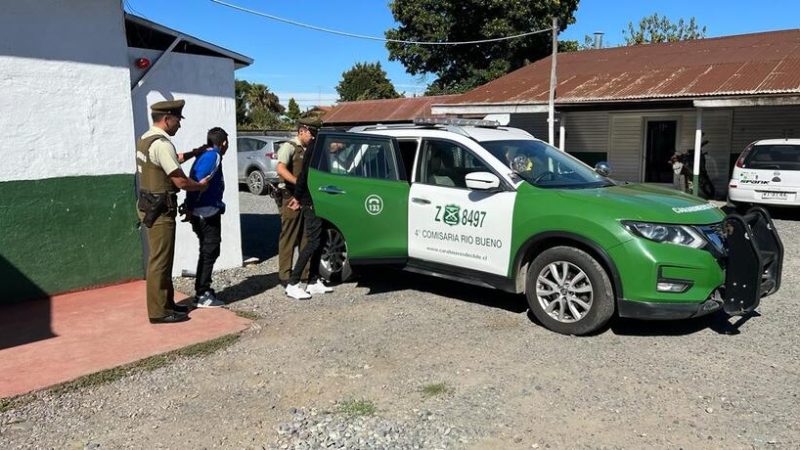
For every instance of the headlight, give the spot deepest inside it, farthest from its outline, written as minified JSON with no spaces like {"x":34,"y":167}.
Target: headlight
{"x":670,"y":234}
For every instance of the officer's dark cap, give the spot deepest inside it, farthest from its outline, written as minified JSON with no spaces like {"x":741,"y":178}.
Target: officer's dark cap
{"x":171,"y":107}
{"x":312,"y":123}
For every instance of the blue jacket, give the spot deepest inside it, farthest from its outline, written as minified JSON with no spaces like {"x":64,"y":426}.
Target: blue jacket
{"x":210,"y":162}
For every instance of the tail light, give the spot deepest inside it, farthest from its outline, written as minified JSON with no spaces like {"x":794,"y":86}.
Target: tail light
{"x":743,"y":156}
{"x":272,"y":155}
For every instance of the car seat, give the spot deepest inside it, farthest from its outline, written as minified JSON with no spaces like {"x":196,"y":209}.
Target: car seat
{"x":437,"y":171}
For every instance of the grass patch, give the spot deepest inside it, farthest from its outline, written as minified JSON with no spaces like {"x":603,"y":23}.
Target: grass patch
{"x":146,"y":365}
{"x":357,"y":408}
{"x":249,"y":315}
{"x":435,"y":389}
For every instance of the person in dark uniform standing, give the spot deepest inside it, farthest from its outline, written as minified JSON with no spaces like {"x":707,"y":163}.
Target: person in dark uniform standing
{"x":308,"y":260}
{"x":160,"y":178}
{"x":290,"y":163}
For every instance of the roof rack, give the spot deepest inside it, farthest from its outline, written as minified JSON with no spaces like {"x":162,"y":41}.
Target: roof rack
{"x":456,"y":121}
{"x":450,"y":124}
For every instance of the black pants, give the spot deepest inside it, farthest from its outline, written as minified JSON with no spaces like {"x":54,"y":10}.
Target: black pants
{"x":209,"y":233}
{"x":310,"y":252}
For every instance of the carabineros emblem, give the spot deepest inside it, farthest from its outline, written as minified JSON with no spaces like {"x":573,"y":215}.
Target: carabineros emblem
{"x":451,"y":214}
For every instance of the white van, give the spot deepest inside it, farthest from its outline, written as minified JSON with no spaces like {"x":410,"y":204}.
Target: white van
{"x":767,"y":172}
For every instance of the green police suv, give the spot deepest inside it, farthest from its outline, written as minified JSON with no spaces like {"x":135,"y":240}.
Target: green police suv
{"x":496,"y":207}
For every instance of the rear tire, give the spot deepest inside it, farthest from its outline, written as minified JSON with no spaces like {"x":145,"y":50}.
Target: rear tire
{"x":334,"y":265}
{"x":569,"y":291}
{"x":256,"y":182}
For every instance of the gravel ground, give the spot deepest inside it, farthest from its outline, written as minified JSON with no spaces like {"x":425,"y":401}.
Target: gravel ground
{"x":397,"y":360}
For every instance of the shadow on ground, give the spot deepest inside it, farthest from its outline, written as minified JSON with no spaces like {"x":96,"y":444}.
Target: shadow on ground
{"x":792,"y":214}
{"x":718,"y":322}
{"x":260,"y":235}
{"x":382,"y":280}
{"x":253,"y":285}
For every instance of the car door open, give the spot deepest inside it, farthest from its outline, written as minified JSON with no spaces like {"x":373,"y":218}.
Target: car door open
{"x":360,"y":188}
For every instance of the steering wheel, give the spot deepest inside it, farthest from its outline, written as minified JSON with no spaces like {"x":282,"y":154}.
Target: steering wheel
{"x":546,"y":173}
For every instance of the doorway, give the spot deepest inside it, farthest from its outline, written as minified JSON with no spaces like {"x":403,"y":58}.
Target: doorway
{"x":659,"y":148}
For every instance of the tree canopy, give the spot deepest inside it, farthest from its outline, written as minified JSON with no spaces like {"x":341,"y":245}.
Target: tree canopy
{"x":256,"y":106}
{"x":459,"y":68}
{"x":365,"y":81}
{"x":654,"y":29}
{"x":293,"y":110}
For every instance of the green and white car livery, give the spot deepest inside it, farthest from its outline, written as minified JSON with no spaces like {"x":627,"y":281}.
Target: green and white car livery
{"x":495,"y":207}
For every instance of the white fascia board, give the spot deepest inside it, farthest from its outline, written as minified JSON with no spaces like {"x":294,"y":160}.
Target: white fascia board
{"x":747,"y":101}
{"x":488,"y":109}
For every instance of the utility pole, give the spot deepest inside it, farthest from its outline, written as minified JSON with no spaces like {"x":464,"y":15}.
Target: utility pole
{"x":552,"y":107}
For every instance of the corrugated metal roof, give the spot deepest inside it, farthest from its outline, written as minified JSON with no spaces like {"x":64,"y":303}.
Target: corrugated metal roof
{"x":750,"y":64}
{"x":382,"y":111}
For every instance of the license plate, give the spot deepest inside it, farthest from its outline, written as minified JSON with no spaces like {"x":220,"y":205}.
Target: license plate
{"x":775,"y":195}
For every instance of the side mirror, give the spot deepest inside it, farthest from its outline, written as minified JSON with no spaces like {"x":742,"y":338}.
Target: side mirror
{"x":602,"y":168}
{"x":482,"y":181}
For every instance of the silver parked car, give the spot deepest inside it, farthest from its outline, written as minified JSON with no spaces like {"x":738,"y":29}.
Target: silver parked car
{"x":258,"y":160}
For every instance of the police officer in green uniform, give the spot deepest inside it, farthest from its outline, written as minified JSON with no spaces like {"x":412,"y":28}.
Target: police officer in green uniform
{"x":160,"y":177}
{"x":290,"y":163}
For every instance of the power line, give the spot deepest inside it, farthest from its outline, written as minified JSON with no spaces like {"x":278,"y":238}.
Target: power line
{"x":373,"y":38}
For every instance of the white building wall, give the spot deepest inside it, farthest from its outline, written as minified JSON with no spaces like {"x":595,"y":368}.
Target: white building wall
{"x":586,"y":131}
{"x":756,"y":123}
{"x":717,"y":131}
{"x":207,"y":85}
{"x":625,"y":146}
{"x":64,"y":90}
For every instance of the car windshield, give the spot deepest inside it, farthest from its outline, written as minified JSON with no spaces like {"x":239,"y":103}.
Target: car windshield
{"x":545,"y":166}
{"x":774,"y":157}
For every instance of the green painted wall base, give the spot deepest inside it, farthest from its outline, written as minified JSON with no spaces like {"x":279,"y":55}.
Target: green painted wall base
{"x":63,"y":234}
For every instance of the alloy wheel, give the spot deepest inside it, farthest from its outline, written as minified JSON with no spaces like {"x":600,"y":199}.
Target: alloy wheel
{"x":564,"y":291}
{"x":334,"y":252}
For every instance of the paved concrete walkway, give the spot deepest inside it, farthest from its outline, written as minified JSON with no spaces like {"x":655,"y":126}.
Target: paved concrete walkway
{"x":47,"y":342}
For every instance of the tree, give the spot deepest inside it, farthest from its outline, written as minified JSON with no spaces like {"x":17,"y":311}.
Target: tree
{"x":654,"y":29}
{"x":256,"y":106}
{"x":462,"y":67}
{"x":293,"y":110}
{"x":365,"y":81}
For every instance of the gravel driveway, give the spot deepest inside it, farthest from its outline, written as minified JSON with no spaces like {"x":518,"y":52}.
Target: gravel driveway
{"x":397,"y":360}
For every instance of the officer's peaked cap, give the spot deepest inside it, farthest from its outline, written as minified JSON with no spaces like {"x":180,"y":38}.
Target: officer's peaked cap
{"x":171,"y":107}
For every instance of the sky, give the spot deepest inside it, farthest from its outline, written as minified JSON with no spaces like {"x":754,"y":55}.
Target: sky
{"x":307,"y":65}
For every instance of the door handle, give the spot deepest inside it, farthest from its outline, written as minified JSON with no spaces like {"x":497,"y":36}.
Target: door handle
{"x":331,"y":190}
{"x":420,"y":201}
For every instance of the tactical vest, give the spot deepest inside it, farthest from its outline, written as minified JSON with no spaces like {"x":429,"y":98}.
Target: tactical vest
{"x":295,"y":165}
{"x":151,"y":177}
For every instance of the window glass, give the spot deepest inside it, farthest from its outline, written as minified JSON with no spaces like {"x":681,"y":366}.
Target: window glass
{"x":358,"y":157}
{"x":248,"y":144}
{"x":774,"y":157}
{"x":445,"y":163}
{"x":543,"y":165}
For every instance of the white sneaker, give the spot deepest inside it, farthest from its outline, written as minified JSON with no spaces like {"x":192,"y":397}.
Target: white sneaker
{"x":297,"y":292}
{"x":209,"y":300}
{"x":318,"y":288}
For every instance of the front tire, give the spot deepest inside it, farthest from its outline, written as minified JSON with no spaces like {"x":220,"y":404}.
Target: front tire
{"x":569,"y":291}
{"x":334,"y":265}
{"x":256,"y":182}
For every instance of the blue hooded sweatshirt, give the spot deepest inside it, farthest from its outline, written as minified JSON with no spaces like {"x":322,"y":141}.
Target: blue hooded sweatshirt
{"x":208,"y":202}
